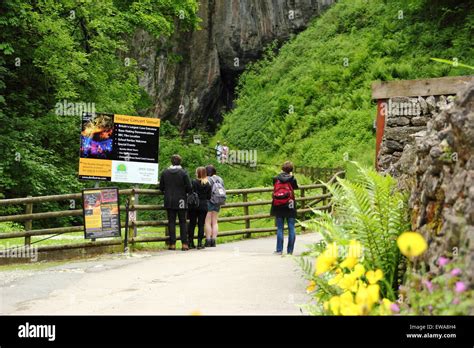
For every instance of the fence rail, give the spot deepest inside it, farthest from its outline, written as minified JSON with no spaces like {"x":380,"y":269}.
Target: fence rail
{"x":308,"y":202}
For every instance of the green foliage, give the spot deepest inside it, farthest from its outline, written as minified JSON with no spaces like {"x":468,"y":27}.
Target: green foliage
{"x":10,"y":227}
{"x":311,"y":101}
{"x":71,"y":50}
{"x":427,"y":294}
{"x":371,"y":210}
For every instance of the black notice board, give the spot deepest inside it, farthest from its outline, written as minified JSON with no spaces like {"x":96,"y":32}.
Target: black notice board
{"x":101,"y":211}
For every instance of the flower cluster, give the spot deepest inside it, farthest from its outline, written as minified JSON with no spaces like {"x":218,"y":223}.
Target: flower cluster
{"x":358,"y":289}
{"x":443,"y":293}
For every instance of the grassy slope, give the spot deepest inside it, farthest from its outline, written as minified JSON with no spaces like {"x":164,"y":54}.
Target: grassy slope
{"x":333,"y":112}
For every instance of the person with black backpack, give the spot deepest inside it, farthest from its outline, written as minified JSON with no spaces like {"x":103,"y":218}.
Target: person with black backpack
{"x":175,"y":185}
{"x":284,"y":206}
{"x":218,"y":197}
{"x":197,"y":206}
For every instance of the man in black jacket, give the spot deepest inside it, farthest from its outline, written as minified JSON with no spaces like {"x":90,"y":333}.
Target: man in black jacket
{"x":175,"y":184}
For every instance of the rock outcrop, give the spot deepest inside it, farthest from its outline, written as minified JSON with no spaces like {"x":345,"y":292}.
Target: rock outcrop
{"x":442,"y":198}
{"x":191,"y":77}
{"x":441,"y":176}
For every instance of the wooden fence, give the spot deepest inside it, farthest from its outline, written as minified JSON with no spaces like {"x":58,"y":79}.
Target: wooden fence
{"x":307,"y":202}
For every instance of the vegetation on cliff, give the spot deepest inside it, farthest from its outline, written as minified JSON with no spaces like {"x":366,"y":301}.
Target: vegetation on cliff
{"x":311,"y":100}
{"x":67,"y":52}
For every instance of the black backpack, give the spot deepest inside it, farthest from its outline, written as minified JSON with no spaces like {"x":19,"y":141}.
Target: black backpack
{"x":193,"y":199}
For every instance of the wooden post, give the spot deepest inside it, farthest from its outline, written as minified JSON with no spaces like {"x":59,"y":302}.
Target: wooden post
{"x":246,"y":213}
{"x":303,"y":206}
{"x":132,"y":228}
{"x":28,"y":223}
{"x":380,"y":126}
{"x":135,"y":202}
{"x":325,"y":200}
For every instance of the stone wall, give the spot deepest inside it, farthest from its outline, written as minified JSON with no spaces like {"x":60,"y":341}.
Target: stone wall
{"x":405,"y":117}
{"x":435,"y":164}
{"x":442,"y":183}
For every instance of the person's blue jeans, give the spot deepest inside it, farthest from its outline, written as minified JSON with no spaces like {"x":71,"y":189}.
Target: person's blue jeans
{"x":291,"y":234}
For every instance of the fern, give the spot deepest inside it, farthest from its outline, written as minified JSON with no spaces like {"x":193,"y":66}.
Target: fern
{"x":371,"y":210}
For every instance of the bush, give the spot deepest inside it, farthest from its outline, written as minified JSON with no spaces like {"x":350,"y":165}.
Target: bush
{"x":446,"y":293}
{"x":369,"y":213}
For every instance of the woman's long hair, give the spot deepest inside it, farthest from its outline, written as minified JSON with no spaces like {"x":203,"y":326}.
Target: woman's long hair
{"x":201,"y":175}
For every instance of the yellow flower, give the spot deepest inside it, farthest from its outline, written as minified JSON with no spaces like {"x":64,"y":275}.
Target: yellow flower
{"x":386,"y":303}
{"x":411,"y":244}
{"x":374,"y":293}
{"x":355,"y":249}
{"x":331,"y":251}
{"x":334,"y":304}
{"x":351,"y":309}
{"x":384,"y":309}
{"x":366,"y":297}
{"x":335,"y":280}
{"x":345,"y":305}
{"x":346,"y":298}
{"x":349,"y":262}
{"x":326,"y":305}
{"x":374,"y":276}
{"x":195,"y":312}
{"x":325,"y":261}
{"x":362,"y":296}
{"x":323,"y":264}
{"x":359,"y":270}
{"x":347,"y":282}
{"x":311,"y":287}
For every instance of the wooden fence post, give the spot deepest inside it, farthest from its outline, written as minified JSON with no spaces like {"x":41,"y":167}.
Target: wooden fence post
{"x":28,"y":223}
{"x":132,"y":227}
{"x":303,"y":206}
{"x":324,"y":199}
{"x":136,"y":202}
{"x":246,"y":213}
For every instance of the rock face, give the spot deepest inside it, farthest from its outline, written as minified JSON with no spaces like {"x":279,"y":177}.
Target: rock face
{"x":191,"y":77}
{"x":439,"y":169}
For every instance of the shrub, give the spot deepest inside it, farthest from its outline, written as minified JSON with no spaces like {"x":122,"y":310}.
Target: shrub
{"x":370,"y":212}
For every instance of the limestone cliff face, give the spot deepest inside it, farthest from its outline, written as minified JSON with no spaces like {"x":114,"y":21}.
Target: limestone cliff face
{"x":191,"y":77}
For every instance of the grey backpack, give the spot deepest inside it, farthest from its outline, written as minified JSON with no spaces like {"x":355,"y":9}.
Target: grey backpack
{"x":218,"y":195}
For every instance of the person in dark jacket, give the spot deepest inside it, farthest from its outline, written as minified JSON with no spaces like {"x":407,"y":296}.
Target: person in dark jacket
{"x":198,"y":214}
{"x":286,"y":181}
{"x":175,"y":184}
